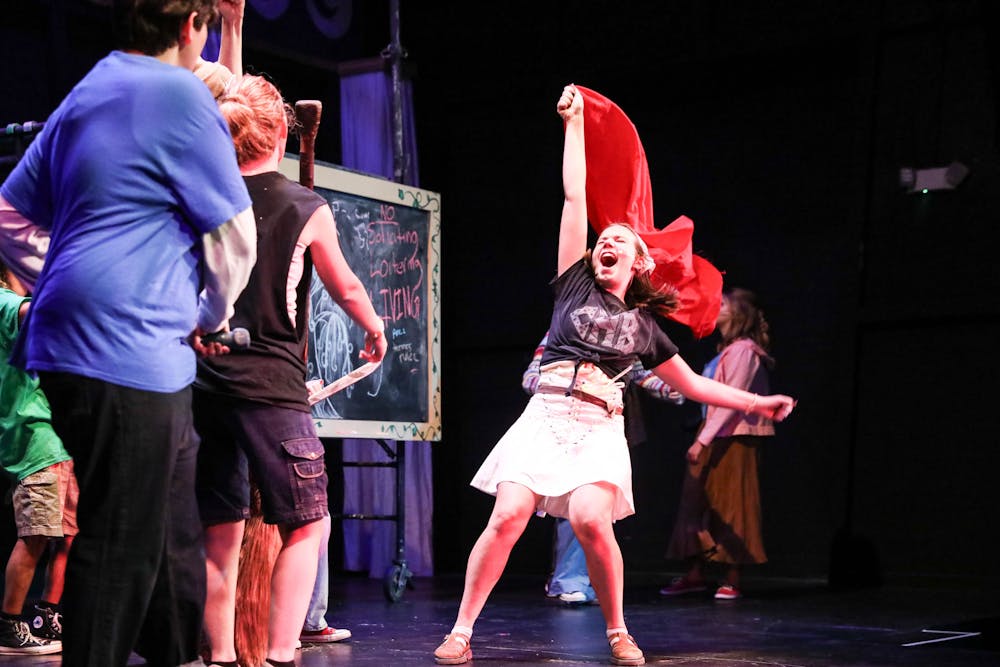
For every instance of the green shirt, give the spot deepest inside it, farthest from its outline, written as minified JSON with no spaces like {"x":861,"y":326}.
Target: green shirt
{"x":27,"y":441}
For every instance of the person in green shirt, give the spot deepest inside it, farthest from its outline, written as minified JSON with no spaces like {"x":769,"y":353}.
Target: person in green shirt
{"x":44,"y":493}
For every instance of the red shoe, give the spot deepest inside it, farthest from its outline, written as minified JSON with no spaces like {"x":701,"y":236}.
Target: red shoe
{"x":324,"y":636}
{"x":682,"y":586}
{"x":727,"y":592}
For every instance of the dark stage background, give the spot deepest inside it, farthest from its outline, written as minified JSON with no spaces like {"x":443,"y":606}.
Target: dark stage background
{"x":780,"y":129}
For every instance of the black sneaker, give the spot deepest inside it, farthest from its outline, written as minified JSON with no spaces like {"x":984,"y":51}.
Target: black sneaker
{"x":46,"y":622}
{"x":16,"y":639}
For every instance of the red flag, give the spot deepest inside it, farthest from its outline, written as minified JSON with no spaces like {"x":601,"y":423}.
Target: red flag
{"x":619,"y":190}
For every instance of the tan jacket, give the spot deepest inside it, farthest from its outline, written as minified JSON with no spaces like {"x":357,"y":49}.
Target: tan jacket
{"x":742,"y":365}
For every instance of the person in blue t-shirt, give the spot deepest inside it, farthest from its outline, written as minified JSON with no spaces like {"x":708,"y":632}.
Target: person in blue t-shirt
{"x":152,"y":238}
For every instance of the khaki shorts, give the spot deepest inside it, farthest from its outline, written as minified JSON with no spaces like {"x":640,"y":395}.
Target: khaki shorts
{"x":45,"y":502}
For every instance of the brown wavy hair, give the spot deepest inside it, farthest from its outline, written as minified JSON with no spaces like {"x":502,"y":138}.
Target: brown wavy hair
{"x":746,"y":319}
{"x":642,"y":292}
{"x":255,"y":111}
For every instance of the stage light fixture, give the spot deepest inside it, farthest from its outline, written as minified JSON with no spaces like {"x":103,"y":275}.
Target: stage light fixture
{"x":932,"y":179}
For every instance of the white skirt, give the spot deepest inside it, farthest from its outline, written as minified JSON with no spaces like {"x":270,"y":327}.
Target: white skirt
{"x":560,"y":443}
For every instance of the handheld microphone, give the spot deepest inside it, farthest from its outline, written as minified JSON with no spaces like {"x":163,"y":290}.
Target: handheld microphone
{"x":237,"y":338}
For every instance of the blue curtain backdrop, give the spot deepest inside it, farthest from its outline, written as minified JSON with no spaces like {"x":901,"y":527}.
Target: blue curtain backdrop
{"x":366,"y":145}
{"x":210,"y":52}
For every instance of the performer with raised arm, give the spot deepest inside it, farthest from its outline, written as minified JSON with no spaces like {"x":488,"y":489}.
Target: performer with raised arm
{"x":220,"y":75}
{"x":567,"y":455}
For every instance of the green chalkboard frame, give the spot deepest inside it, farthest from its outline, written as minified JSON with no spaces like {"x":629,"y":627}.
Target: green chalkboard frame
{"x":338,"y":179}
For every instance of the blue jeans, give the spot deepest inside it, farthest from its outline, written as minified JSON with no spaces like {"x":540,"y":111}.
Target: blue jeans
{"x":569,"y":574}
{"x":136,"y":574}
{"x":316,"y":616}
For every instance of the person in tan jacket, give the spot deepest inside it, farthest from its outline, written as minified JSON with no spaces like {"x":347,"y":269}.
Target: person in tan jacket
{"x":718,"y":519}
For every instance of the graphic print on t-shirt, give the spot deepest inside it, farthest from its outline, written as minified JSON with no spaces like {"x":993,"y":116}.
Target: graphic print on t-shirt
{"x":596,"y":326}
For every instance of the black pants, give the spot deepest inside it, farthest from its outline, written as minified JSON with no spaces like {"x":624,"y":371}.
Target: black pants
{"x":136,"y":572}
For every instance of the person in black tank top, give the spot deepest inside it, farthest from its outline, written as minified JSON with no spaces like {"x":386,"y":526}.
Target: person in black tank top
{"x":251,"y":407}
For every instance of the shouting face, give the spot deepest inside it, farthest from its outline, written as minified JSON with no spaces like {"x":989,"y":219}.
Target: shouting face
{"x":614,"y":258}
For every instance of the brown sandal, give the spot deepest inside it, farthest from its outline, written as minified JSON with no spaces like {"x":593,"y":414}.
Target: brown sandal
{"x":624,"y":650}
{"x":454,"y":650}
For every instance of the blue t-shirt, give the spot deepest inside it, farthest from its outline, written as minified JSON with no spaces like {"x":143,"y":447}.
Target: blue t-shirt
{"x":709,"y":372}
{"x":591,"y":324}
{"x":128,"y":173}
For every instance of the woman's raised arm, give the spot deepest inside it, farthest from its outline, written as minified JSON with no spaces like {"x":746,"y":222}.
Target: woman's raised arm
{"x":573,"y":227}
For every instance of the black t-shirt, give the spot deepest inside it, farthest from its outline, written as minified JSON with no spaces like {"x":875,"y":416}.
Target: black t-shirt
{"x":593,"y":325}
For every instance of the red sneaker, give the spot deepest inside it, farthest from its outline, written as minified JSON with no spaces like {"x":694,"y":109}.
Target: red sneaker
{"x":324,"y":636}
{"x":682,"y":586}
{"x":727,"y":592}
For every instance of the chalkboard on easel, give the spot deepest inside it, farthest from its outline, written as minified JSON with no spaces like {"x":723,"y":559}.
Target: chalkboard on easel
{"x":390,"y":236}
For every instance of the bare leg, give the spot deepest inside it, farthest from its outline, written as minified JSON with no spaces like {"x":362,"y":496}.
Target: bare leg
{"x":21,"y":571}
{"x":222,"y":551}
{"x":55,"y":576}
{"x":733,"y":576}
{"x":291,"y":587}
{"x":511,"y":511}
{"x":696,"y":573}
{"x":590,"y":509}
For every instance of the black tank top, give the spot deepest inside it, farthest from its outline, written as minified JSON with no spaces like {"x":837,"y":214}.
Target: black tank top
{"x":273,"y":369}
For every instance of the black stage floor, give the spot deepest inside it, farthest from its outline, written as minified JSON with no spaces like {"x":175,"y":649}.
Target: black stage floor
{"x":778,"y":623}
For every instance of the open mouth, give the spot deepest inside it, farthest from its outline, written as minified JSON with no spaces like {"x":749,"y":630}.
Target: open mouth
{"x":608,"y":259}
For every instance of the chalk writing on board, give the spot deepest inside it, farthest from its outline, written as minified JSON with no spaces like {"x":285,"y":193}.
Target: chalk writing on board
{"x":390,"y":234}
{"x":386,"y":245}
